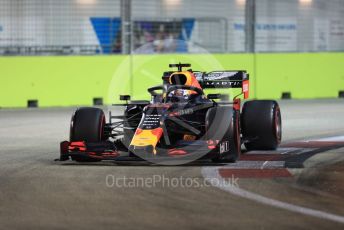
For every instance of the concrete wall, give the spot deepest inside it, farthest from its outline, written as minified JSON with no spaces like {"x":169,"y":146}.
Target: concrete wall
{"x":66,"y":81}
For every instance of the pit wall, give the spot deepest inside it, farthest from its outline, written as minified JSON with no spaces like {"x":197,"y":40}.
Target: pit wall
{"x":73,"y":80}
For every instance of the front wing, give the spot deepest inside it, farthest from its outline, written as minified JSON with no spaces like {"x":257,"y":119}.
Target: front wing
{"x":83,"y":151}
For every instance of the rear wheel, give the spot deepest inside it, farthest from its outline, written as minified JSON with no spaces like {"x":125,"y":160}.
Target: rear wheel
{"x":261,"y":125}
{"x":222,"y":124}
{"x":87,"y":125}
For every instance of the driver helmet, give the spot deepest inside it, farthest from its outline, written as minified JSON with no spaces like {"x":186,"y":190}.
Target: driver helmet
{"x":183,"y":78}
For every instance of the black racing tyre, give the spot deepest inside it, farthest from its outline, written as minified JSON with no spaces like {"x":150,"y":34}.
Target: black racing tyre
{"x":87,"y":125}
{"x":222,"y":124}
{"x":261,"y":125}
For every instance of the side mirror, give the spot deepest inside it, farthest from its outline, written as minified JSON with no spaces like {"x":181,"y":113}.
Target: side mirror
{"x":214,"y":96}
{"x":124,"y":97}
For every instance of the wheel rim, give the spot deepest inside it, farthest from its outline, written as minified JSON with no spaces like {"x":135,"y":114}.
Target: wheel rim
{"x":101,"y":130}
{"x":278,"y":125}
{"x":238,"y":135}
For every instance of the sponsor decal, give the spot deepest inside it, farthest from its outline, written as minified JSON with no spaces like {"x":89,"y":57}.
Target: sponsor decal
{"x":151,"y":121}
{"x":185,"y":111}
{"x":222,"y":84}
{"x":220,"y":75}
{"x":182,"y":112}
{"x":245,"y":88}
{"x":224,"y":147}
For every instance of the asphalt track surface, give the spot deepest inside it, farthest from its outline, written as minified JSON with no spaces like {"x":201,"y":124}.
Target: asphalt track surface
{"x":299,"y":186}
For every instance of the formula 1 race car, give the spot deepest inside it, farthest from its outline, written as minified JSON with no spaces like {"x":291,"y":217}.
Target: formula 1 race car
{"x":179,"y":123}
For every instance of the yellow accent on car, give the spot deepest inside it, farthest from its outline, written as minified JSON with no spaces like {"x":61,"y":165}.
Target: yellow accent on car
{"x":147,"y":138}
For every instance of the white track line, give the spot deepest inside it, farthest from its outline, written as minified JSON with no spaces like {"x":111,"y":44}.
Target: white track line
{"x":331,"y":139}
{"x":266,"y":162}
{"x":211,"y":174}
{"x":255,"y":165}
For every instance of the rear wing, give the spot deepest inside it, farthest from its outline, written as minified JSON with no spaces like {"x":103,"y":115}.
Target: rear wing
{"x":224,"y":80}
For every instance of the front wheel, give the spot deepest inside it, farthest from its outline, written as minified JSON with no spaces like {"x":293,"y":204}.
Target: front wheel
{"x":87,"y":125}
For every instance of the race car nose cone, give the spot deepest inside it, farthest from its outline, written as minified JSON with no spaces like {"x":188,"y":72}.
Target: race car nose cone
{"x":143,"y":151}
